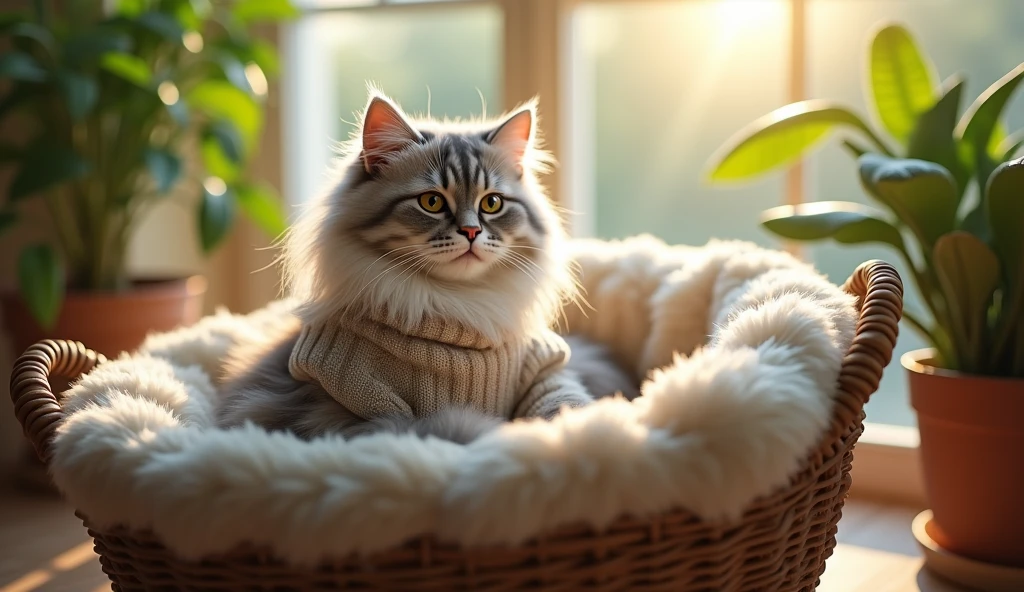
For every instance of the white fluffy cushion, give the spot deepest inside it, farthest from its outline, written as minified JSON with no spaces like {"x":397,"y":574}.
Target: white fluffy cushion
{"x":740,"y":347}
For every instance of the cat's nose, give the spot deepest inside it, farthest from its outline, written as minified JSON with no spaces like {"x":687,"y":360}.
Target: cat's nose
{"x":469,"y":232}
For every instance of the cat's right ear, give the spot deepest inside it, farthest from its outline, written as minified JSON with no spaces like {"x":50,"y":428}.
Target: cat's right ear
{"x":385,"y":132}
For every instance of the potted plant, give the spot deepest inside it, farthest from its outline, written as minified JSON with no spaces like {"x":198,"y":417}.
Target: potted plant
{"x":952,"y":207}
{"x":120,"y":108}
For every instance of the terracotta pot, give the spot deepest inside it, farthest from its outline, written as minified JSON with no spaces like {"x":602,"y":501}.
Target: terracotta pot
{"x":111,"y":323}
{"x":972,"y":442}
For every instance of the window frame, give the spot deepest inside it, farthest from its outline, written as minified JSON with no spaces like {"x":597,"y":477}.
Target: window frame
{"x":888,"y":458}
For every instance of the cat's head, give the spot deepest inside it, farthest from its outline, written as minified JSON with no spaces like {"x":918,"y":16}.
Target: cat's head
{"x":434,"y":218}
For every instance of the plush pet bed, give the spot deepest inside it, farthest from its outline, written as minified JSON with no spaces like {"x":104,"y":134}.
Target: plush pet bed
{"x":737,"y":350}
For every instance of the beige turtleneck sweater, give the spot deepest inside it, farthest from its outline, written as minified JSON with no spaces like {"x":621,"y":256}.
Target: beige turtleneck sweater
{"x":374,"y":369}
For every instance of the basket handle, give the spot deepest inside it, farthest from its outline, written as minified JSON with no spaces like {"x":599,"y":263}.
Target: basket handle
{"x":35,"y":403}
{"x":879,"y":292}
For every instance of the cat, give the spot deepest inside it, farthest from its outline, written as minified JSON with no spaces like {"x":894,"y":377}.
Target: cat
{"x":428,"y":279}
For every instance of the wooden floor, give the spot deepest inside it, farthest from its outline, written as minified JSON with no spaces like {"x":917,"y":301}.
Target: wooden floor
{"x":44,"y":548}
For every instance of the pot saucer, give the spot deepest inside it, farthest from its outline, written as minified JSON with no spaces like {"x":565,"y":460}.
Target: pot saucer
{"x":975,"y":574}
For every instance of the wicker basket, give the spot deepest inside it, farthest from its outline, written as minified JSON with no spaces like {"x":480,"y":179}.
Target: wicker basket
{"x":781,"y":543}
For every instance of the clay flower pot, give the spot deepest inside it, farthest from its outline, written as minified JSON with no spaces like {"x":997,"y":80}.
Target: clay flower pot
{"x":111,"y":323}
{"x":972,"y":439}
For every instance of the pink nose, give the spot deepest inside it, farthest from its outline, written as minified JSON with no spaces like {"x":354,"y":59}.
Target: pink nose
{"x":470,"y":232}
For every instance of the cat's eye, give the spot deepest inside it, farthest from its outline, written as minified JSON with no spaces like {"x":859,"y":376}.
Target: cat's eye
{"x":432,"y":202}
{"x":492,"y":204}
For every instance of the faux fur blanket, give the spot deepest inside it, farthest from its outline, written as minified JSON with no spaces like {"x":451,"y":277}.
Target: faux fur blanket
{"x":739,"y":349}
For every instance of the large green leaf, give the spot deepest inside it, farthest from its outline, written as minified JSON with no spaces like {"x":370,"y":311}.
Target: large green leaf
{"x":265,"y":56}
{"x":41,"y":281}
{"x":128,"y":67}
{"x":968,"y":273}
{"x":216,"y":162}
{"x":228,"y":138}
{"x":37,"y":34}
{"x":1010,"y":145}
{"x":251,"y":11}
{"x":220,"y":100}
{"x":164,"y":167}
{"x":979,"y":122}
{"x":922,"y":194}
{"x":845,"y":222}
{"x":216,"y":214}
{"x":932,"y":137}
{"x":261,"y":204}
{"x":21,"y":66}
{"x":80,"y":92}
{"x":88,"y":46}
{"x":44,"y":166}
{"x":902,"y":81}
{"x":162,"y":24}
{"x":780,"y":138}
{"x":1005,"y":192}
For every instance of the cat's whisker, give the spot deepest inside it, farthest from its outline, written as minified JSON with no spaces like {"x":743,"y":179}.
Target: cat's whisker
{"x":386,"y":254}
{"x":399,"y":261}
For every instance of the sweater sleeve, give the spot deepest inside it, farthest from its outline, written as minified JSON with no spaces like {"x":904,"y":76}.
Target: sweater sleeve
{"x":545,"y":384}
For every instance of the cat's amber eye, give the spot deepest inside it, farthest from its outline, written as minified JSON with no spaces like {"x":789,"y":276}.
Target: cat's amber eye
{"x":492,"y":204}
{"x":432,"y":202}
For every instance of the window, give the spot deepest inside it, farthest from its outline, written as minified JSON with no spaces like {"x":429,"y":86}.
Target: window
{"x":636,"y":95}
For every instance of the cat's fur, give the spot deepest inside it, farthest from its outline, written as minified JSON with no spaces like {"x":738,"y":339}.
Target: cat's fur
{"x":361,"y":247}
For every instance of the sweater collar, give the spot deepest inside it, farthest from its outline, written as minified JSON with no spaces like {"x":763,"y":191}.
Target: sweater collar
{"x":441,"y":330}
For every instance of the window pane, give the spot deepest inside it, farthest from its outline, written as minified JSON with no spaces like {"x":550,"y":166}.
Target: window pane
{"x":446,"y":58}
{"x":660,"y":86}
{"x":980,"y":39}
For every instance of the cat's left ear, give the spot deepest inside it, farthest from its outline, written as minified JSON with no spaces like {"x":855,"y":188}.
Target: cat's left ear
{"x":515,"y":135}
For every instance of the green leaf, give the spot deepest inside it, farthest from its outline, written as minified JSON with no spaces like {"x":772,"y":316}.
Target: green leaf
{"x":44,"y":166}
{"x":265,"y":56}
{"x":845,"y":222}
{"x":221,"y":100}
{"x":80,"y":91}
{"x":216,"y":214}
{"x":1010,"y":145}
{"x":36,"y":33}
{"x":162,"y":24}
{"x":131,"y":8}
{"x":164,"y":166}
{"x":251,"y":11}
{"x":902,"y":81}
{"x":780,"y":138}
{"x":227,"y":137}
{"x":88,"y":46}
{"x":922,"y":194}
{"x":968,"y":273}
{"x":128,"y":67}
{"x":21,"y":66}
{"x":1005,"y":193}
{"x":216,"y":162}
{"x":261,"y":204}
{"x":41,"y":280}
{"x":979,"y":122}
{"x":234,"y":70}
{"x":932,"y":137}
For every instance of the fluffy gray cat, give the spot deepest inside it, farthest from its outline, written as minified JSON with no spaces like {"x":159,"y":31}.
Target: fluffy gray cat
{"x":428,"y":279}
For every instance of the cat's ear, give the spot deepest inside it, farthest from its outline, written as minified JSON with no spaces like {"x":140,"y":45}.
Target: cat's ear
{"x":385,"y":132}
{"x":515,"y":135}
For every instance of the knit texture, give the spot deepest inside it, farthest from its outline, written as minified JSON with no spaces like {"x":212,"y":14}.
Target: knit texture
{"x":375,"y":369}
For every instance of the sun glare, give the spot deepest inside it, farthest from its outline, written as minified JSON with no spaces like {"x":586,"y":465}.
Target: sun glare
{"x":737,"y":15}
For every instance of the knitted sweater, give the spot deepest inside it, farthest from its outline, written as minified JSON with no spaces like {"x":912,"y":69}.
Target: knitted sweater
{"x":374,"y":369}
